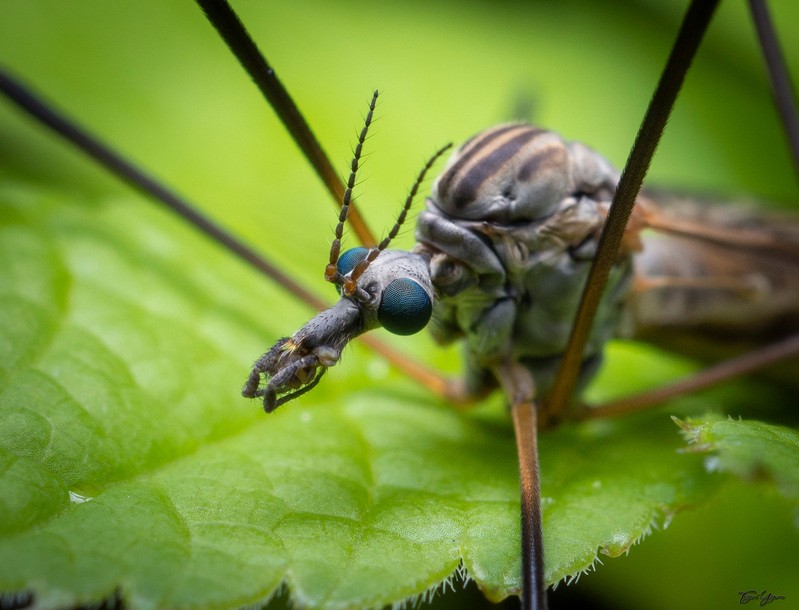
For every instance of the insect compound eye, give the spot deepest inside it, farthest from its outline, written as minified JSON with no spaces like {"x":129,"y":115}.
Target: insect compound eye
{"x":348,"y":260}
{"x":405,"y":308}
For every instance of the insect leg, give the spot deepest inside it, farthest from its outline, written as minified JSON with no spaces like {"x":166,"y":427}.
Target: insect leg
{"x":723,"y":371}
{"x":128,"y":172}
{"x":691,"y":32}
{"x":519,"y":388}
{"x":770,"y":354}
{"x":235,"y":35}
{"x":780,"y":79}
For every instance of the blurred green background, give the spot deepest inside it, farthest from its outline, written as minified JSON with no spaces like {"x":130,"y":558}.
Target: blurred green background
{"x":153,"y":79}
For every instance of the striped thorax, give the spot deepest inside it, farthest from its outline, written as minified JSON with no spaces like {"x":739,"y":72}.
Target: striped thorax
{"x":510,"y":228}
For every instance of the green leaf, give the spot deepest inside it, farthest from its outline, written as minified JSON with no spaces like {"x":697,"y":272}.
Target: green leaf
{"x":752,"y":450}
{"x":130,"y":462}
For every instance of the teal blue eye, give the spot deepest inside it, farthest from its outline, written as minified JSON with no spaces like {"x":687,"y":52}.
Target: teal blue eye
{"x":348,"y":260}
{"x":405,"y":308}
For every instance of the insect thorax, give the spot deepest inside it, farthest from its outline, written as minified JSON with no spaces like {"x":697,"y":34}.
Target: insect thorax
{"x":511,"y":227}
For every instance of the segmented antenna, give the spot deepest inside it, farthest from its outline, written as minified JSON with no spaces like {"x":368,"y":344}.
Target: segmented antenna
{"x":350,"y":283}
{"x":331,"y":270}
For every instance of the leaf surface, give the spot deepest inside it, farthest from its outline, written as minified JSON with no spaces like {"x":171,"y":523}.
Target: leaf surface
{"x":753,"y":450}
{"x":130,"y":462}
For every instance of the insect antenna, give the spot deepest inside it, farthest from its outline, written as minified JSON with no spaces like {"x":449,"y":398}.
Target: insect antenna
{"x":127,"y":171}
{"x":235,"y":35}
{"x":692,"y":30}
{"x":332,"y":273}
{"x":363,"y":265}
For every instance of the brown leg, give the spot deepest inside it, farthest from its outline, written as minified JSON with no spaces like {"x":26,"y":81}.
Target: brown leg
{"x":519,"y":388}
{"x":729,"y":369}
